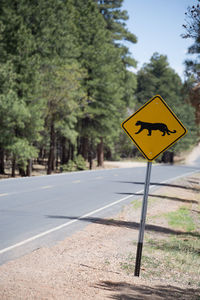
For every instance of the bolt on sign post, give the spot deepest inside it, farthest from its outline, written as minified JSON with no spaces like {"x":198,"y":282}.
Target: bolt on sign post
{"x":153,"y":128}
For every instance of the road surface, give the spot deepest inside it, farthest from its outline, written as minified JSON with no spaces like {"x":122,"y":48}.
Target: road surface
{"x":39,"y":211}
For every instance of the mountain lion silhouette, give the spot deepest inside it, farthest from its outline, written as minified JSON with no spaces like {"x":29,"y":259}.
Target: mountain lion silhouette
{"x":153,"y":126}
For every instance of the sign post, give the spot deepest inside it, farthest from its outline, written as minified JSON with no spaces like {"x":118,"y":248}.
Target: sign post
{"x":143,"y":219}
{"x":153,"y":128}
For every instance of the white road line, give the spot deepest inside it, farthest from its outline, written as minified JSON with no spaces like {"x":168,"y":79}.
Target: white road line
{"x":76,"y":181}
{"x":84,"y":216}
{"x":46,"y":187}
{"x":27,"y":191}
{"x":5,"y":194}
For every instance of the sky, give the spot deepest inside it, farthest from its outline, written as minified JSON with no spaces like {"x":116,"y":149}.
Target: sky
{"x":158,"y":27}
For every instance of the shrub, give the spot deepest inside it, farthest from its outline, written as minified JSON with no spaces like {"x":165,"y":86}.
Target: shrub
{"x":76,"y":165}
{"x":80,"y":163}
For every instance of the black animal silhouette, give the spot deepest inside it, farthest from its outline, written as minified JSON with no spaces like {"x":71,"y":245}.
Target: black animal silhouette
{"x":153,"y":126}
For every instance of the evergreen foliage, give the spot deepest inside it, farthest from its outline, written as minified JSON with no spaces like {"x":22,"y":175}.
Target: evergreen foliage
{"x":105,"y":83}
{"x":21,"y":65}
{"x":66,"y":84}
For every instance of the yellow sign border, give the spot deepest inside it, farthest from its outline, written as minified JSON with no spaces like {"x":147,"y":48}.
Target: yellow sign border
{"x":185,"y":130}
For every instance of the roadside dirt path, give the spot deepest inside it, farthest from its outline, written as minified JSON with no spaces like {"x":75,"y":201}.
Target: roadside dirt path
{"x":97,"y":262}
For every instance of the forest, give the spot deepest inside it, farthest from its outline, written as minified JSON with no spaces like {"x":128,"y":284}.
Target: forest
{"x":66,"y":84}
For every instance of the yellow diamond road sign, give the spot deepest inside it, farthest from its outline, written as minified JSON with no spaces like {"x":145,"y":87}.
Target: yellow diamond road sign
{"x":154,"y":128}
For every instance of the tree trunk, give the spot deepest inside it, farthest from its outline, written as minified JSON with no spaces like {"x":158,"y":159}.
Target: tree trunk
{"x":168,"y":157}
{"x":90,"y":160}
{"x":64,"y":154}
{"x":41,"y":156}
{"x":2,"y":165}
{"x":100,"y":153}
{"x":91,"y":154}
{"x":84,"y":147}
{"x":21,"y":171}
{"x":71,"y":151}
{"x":51,"y":159}
{"x":107,"y":154}
{"x":13,"y":167}
{"x":29,"y":168}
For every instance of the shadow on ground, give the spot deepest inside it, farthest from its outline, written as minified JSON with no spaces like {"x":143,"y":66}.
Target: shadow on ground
{"x":194,"y":189}
{"x":124,"y":291}
{"x":127,"y":224}
{"x":163,"y":197}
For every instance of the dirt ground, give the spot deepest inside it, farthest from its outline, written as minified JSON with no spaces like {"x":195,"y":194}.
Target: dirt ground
{"x":97,"y":262}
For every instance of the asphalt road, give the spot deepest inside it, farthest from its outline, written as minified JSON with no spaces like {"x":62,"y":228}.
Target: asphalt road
{"x":38,"y":211}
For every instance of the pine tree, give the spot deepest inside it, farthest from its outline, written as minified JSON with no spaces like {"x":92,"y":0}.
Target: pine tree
{"x":64,"y":100}
{"x":102,"y":62}
{"x":157,"y":77}
{"x":53,"y":27}
{"x":105,"y":63}
{"x":115,"y":19}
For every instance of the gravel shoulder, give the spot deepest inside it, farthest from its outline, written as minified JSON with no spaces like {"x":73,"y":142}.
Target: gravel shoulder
{"x":98,"y":262}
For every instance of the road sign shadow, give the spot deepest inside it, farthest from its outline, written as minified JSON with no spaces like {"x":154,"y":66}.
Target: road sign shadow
{"x":127,"y":224}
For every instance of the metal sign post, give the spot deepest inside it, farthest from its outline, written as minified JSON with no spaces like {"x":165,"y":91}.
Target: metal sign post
{"x":142,"y":221}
